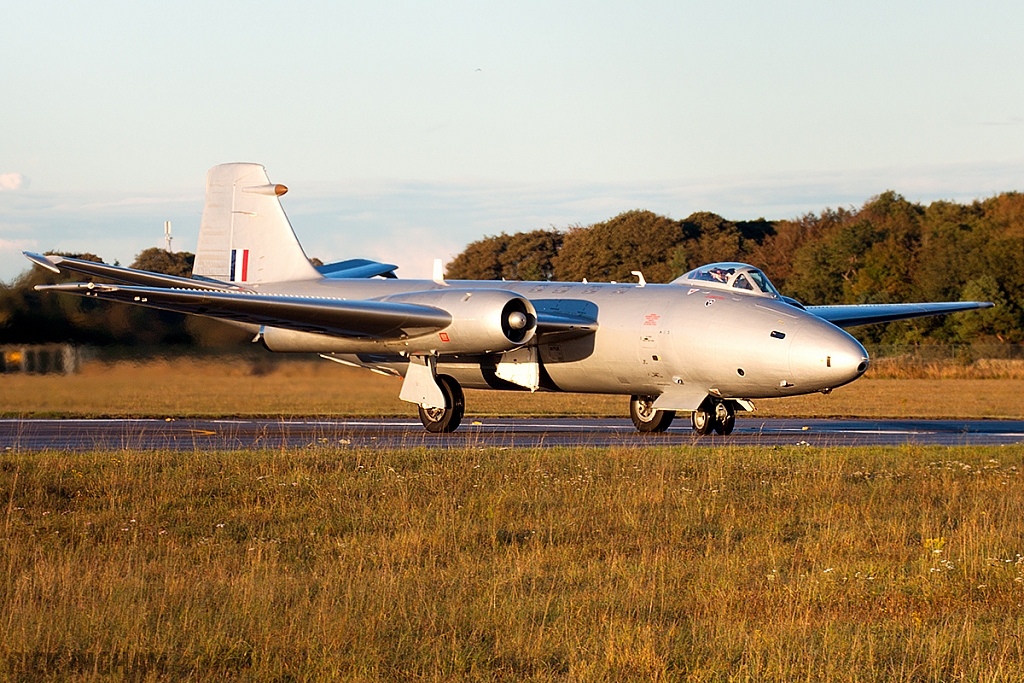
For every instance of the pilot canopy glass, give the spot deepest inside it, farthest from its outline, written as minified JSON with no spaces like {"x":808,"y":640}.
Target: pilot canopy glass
{"x":738,"y":276}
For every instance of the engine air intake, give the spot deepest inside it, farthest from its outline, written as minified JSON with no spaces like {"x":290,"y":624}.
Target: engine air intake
{"x":517,"y":322}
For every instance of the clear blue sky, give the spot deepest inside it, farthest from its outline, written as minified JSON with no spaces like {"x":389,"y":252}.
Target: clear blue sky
{"x":407,"y":129}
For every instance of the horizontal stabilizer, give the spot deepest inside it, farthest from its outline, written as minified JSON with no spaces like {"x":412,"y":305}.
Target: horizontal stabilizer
{"x":869,"y":314}
{"x":357,"y":267}
{"x":120,"y":274}
{"x":336,"y":317}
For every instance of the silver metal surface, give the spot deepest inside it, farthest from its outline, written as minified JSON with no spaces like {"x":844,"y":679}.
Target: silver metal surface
{"x":711,"y":340}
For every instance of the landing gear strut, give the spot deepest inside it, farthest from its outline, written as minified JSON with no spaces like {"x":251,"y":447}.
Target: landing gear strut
{"x":714,"y":414}
{"x":447,"y":419}
{"x":645,"y":418}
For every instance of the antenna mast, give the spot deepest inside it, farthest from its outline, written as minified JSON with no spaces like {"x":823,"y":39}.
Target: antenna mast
{"x":167,"y":237}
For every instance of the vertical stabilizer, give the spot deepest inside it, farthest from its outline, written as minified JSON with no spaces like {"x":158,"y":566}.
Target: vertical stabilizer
{"x":245,"y":236}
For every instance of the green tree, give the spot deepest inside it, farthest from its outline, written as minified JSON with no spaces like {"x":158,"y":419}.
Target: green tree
{"x":888,"y":250}
{"x":31,"y":317}
{"x":480,"y":260}
{"x":157,"y":260}
{"x":634,"y":240}
{"x":711,"y":238}
{"x":775,"y":253}
{"x":522,"y":256}
{"x":1001,"y":322}
{"x":824,"y":270}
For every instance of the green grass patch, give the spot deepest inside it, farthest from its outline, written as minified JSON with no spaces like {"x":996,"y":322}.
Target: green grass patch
{"x":556,"y":564}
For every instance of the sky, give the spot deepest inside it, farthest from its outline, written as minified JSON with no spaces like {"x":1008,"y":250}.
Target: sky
{"x":406,"y":130}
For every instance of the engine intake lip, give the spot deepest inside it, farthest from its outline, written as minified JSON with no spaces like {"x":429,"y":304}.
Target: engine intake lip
{"x":513,"y":314}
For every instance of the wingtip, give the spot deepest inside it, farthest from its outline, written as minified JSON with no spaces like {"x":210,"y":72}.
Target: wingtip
{"x":43,"y":261}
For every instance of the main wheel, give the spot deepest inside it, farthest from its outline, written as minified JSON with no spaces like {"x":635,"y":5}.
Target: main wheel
{"x":447,"y":419}
{"x":703,"y":419}
{"x":645,"y":418}
{"x":725,"y":418}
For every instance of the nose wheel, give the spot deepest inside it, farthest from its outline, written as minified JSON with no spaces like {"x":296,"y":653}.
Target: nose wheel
{"x":447,"y":419}
{"x":716,"y":415}
{"x":645,"y":418}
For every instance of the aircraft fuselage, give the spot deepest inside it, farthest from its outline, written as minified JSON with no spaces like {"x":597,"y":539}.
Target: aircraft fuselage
{"x":706,"y":343}
{"x":651,"y":340}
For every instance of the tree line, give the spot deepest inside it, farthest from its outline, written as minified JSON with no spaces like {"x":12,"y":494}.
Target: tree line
{"x":889,"y":250}
{"x":31,"y":317}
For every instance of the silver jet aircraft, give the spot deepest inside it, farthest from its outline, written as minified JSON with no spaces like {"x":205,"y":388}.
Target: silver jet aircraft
{"x":705,"y":344}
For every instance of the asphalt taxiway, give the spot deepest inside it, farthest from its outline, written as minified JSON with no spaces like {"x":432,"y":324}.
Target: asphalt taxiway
{"x":237,"y":434}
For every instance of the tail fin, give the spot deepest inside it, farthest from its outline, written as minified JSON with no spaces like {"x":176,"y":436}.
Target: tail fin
{"x":245,"y":236}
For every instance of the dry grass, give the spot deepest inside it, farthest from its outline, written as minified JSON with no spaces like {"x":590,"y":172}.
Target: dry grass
{"x":913,"y":368}
{"x":911,"y":398}
{"x":192,"y":387}
{"x":188,"y":387}
{"x":616,"y":564}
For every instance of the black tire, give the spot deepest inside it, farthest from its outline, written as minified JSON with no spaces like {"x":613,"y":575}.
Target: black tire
{"x":725,"y":418}
{"x":645,"y":418}
{"x":445,"y":420}
{"x":703,"y":419}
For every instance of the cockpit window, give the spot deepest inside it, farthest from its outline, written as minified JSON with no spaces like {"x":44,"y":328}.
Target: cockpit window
{"x":741,"y":282}
{"x":714,"y":273}
{"x":734,"y":275}
{"x":762,"y":282}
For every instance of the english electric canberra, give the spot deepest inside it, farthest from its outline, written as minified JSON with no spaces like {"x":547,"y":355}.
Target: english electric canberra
{"x":705,"y":344}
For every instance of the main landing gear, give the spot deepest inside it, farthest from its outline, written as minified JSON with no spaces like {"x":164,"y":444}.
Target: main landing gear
{"x":447,"y":419}
{"x":714,"y":414}
{"x":645,"y":418}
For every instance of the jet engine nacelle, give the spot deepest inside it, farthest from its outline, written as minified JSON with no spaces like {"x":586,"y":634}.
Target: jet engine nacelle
{"x":483,"y":320}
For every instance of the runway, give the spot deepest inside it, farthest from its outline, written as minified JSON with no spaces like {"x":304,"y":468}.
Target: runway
{"x":238,"y":434}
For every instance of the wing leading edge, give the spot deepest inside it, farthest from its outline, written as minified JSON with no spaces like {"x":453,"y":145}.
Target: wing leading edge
{"x":130,"y":276}
{"x":869,"y":314}
{"x":338,"y":317}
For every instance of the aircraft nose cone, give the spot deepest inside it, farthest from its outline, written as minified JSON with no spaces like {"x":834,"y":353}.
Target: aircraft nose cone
{"x":823,"y":356}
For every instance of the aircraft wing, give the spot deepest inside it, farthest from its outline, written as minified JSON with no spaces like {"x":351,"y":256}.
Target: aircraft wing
{"x":868,"y":314}
{"x":130,"y":276}
{"x":338,"y":317}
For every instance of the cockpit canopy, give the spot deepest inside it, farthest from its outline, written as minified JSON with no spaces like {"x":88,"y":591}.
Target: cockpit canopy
{"x":741,"y":277}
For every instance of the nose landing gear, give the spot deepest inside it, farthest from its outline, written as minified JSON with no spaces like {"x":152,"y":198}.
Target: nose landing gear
{"x":714,"y":414}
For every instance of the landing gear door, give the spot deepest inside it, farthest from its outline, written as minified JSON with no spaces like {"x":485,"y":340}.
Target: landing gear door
{"x":420,"y":385}
{"x":520,"y":366}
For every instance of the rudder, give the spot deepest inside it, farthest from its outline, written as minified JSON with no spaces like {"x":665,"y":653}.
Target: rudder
{"x":245,"y":236}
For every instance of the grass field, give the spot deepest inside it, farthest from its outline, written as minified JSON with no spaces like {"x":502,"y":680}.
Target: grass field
{"x":191,"y":387}
{"x":734,"y":564}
